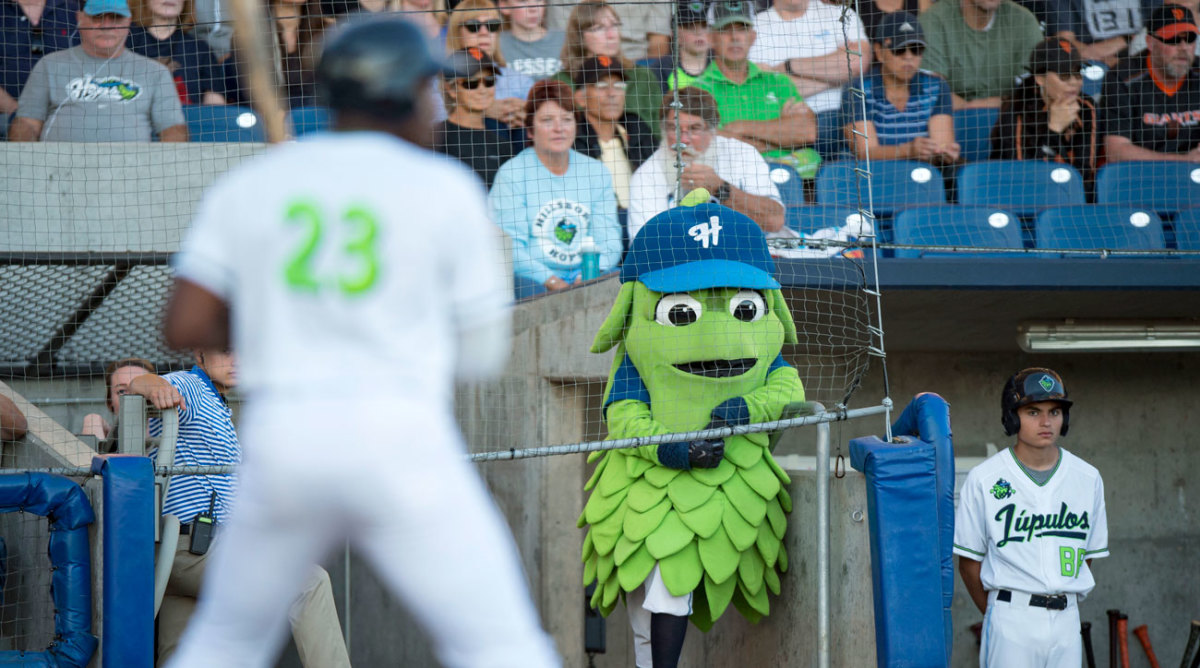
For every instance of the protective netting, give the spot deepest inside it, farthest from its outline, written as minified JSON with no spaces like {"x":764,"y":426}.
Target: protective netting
{"x":26,"y":610}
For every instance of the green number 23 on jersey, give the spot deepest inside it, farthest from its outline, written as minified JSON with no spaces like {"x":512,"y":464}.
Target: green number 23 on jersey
{"x":358,"y":261}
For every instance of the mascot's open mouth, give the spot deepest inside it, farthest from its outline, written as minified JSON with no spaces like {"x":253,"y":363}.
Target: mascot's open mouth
{"x":718,"y":368}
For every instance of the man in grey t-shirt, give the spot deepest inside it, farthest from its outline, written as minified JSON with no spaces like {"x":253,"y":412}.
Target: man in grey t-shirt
{"x":98,"y":91}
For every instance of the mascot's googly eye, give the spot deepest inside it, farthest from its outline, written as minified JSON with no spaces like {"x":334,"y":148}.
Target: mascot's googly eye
{"x":747,"y":306}
{"x":677,"y":310}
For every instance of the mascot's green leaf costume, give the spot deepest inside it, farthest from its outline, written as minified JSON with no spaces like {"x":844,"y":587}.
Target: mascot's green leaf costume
{"x":698,"y":326}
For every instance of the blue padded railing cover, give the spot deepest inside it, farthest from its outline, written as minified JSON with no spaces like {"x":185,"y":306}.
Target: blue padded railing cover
{"x":63,"y":503}
{"x":912,"y":530}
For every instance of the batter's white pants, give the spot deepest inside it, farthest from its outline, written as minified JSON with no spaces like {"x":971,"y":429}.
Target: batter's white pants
{"x":390,"y":475}
{"x":1018,"y":635}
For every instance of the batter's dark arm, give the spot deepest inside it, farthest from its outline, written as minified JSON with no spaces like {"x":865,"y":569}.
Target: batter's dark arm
{"x":196,"y":318}
{"x":968,"y":570}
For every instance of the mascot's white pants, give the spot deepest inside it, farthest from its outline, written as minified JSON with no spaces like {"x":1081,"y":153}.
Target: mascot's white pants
{"x":652,"y":597}
{"x":1018,"y":634}
{"x":390,"y":475}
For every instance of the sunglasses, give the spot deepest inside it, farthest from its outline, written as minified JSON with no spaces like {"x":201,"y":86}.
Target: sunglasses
{"x":474,"y":25}
{"x":616,"y":85}
{"x":1181,"y":38}
{"x":472,"y":84}
{"x":914,"y":49}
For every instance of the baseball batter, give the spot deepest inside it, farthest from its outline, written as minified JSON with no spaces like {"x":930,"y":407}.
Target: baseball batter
{"x":358,"y":274}
{"x":1030,"y":520}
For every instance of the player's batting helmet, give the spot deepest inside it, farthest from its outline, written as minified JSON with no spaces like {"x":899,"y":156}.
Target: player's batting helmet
{"x":1030,"y":386}
{"x":378,"y":67}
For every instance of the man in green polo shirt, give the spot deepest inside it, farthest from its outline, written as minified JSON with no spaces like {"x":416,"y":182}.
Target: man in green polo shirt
{"x":759,"y":107}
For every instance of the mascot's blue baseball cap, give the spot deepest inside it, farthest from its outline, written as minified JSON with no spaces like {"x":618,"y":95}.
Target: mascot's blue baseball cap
{"x":697,"y":247}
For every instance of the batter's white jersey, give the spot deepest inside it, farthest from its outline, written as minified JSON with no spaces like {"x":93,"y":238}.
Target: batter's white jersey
{"x":349,"y":252}
{"x":1033,"y":538}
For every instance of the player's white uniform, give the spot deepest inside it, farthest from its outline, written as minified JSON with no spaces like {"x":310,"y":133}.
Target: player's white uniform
{"x":352,"y":263}
{"x":1032,"y":539}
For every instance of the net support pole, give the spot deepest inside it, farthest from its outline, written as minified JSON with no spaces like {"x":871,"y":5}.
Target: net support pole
{"x":823,"y":638}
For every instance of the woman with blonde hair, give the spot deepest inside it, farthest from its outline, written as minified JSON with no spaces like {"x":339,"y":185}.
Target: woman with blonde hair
{"x":161,"y":31}
{"x":594,"y":30}
{"x":476,"y":24}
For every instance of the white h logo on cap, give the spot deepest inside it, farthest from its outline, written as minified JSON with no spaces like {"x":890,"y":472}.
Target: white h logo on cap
{"x":708,"y":232}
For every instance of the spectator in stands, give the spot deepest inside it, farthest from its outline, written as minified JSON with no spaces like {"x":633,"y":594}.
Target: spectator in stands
{"x":13,"y":425}
{"x":1099,"y":31}
{"x":549,"y":198}
{"x":594,"y":29}
{"x":807,"y":40}
{"x":530,"y":47}
{"x":645,"y":26}
{"x":909,"y":112}
{"x":430,"y":15}
{"x":607,"y":132}
{"x":1046,"y":117}
{"x":207,"y":438}
{"x":757,"y":106}
{"x":873,"y":11}
{"x":1154,"y":113}
{"x":469,"y":90}
{"x":476,"y":24}
{"x":979,"y":46}
{"x":162,"y":31}
{"x":694,"y":50}
{"x":99,"y":91}
{"x":733,"y":171}
{"x":1137,"y":43}
{"x":117,"y":378}
{"x":298,"y":28}
{"x":29,"y":29}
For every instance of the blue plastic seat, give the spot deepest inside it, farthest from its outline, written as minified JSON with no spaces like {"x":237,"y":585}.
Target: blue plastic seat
{"x":1023,"y":187}
{"x":895,"y":185}
{"x":809,"y":218}
{"x":950,"y":225}
{"x":1093,"y":78}
{"x":1098,"y":226}
{"x":306,"y":120}
{"x":1187,"y":230}
{"x":789,"y":183}
{"x":1162,"y":187}
{"x":973,"y":132}
{"x":831,"y":137}
{"x":222,"y":123}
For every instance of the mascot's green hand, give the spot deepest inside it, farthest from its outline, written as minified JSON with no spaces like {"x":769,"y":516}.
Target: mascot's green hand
{"x":694,"y":454}
{"x":733,"y":412}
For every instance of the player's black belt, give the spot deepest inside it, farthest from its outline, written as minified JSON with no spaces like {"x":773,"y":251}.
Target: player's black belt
{"x":1047,"y":601}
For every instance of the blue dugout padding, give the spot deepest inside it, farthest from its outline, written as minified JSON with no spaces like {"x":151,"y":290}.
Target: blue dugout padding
{"x":69,"y":512}
{"x":910,"y":500}
{"x":128,"y":605}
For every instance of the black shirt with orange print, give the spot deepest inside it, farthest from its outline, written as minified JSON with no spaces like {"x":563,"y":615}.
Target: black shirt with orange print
{"x":1152,"y":114}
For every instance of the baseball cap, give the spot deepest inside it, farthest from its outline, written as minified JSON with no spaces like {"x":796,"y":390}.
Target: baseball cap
{"x":98,"y":7}
{"x":689,"y":12}
{"x":596,"y":68}
{"x":698,"y":247}
{"x":466,"y":63}
{"x":1055,"y":55}
{"x":728,"y":12}
{"x":899,"y":29}
{"x":1039,"y":384}
{"x":1168,"y":21}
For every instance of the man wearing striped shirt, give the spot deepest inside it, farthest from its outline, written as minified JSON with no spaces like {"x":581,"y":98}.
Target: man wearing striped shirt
{"x":207,"y":438}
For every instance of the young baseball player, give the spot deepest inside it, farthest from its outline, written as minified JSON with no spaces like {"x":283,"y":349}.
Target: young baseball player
{"x":1030,"y":520}
{"x":357,"y":274}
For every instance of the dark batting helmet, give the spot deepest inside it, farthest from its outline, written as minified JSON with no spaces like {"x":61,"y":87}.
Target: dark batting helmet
{"x":377,"y":66}
{"x":1030,"y":386}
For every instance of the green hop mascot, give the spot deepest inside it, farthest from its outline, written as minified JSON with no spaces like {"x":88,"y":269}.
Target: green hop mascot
{"x":685,"y":529}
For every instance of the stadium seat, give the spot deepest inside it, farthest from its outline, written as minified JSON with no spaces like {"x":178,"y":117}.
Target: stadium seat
{"x":1162,"y":187}
{"x":895,"y":185}
{"x":831,"y":141}
{"x":809,"y":218}
{"x":1093,"y":78}
{"x":973,"y":132}
{"x":1023,"y":187}
{"x":1187,"y":230}
{"x":1100,"y":227}
{"x":956,"y":225}
{"x":222,"y":123}
{"x":306,"y":120}
{"x":789,"y":183}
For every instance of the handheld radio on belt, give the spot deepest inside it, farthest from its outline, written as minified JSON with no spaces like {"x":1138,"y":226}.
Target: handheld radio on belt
{"x":203,"y":528}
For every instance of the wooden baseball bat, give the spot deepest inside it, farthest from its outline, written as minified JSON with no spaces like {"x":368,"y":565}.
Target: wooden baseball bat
{"x":1113,"y":648}
{"x":1196,"y":659}
{"x":1193,"y":638}
{"x":1085,"y":630}
{"x":1123,"y":639}
{"x":1143,"y":636}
